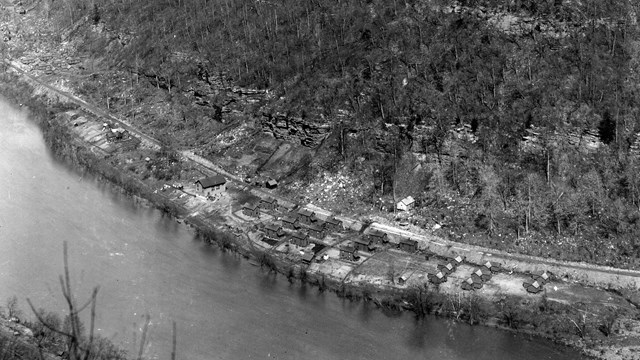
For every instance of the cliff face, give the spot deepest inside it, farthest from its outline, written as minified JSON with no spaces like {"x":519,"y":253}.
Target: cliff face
{"x":295,"y":129}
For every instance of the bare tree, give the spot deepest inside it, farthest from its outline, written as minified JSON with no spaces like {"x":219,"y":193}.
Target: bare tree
{"x":76,"y":347}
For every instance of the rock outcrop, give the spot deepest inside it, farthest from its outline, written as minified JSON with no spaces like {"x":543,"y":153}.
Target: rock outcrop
{"x":289,"y":128}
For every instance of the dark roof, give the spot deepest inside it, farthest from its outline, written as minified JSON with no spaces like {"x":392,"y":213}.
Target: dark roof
{"x":408,"y":242}
{"x":316,"y":228}
{"x":378,"y":233}
{"x":362,"y":241}
{"x":305,"y":212}
{"x":347,"y":248}
{"x":269,"y":200}
{"x":308,"y":256}
{"x":273,"y":227}
{"x":288,"y":219}
{"x":250,"y":206}
{"x":299,"y":235}
{"x":212,"y":181}
{"x":333,"y":221}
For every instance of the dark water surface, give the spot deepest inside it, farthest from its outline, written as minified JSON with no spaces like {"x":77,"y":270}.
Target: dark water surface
{"x":224,"y":307}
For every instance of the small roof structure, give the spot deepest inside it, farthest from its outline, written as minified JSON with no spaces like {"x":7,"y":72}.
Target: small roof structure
{"x":211,"y":181}
{"x":269,"y":200}
{"x":299,"y":235}
{"x":308,"y":257}
{"x":250,"y":206}
{"x":316,"y":228}
{"x":305,"y":212}
{"x":458,"y":260}
{"x":348,"y":248}
{"x":289,"y":220}
{"x":493,"y":266}
{"x":333,"y":221}
{"x":273,"y":227}
{"x":378,"y":233}
{"x":447,"y":268}
{"x":271,"y":183}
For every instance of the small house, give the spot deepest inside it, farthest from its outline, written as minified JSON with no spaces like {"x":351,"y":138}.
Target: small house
{"x":408,"y":245}
{"x":471,"y":284}
{"x":348,"y":252}
{"x":211,"y":186}
{"x":482,"y":275}
{"x":447,"y":268}
{"x":290,"y":223}
{"x":494,"y":267}
{"x":305,"y":216}
{"x":308,"y":257}
{"x":316,"y":231}
{"x":268,"y":204}
{"x":403,"y":279}
{"x":273,"y":230}
{"x":542,"y":278}
{"x":271,"y":184}
{"x":333,"y":224}
{"x":378,"y":237}
{"x":534,"y":287}
{"x":362,"y":244}
{"x":252,"y":210}
{"x":300,"y":239}
{"x":437,"y":278}
{"x":406,"y":204}
{"x":457,"y":261}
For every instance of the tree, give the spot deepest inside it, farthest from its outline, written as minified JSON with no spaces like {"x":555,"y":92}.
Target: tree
{"x":12,"y":307}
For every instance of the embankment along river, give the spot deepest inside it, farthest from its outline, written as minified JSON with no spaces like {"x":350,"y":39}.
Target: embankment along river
{"x":224,"y":307}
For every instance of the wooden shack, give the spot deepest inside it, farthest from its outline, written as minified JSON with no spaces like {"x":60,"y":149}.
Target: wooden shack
{"x":273,"y":230}
{"x":348,"y":252}
{"x":308,"y":257}
{"x":363,"y":244}
{"x":333,"y":224}
{"x":482,"y":275}
{"x":447,"y":268}
{"x":305,"y":216}
{"x":408,"y":245}
{"x":290,"y":223}
{"x":437,"y":278}
{"x":252,"y":210}
{"x":269,"y":204}
{"x":300,"y":239}
{"x":378,"y":237}
{"x":316,"y":231}
{"x":471,"y":284}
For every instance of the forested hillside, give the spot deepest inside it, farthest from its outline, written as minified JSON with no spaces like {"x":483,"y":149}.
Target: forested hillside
{"x":514,"y":123}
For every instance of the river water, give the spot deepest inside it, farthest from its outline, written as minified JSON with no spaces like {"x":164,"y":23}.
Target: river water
{"x":224,"y":307}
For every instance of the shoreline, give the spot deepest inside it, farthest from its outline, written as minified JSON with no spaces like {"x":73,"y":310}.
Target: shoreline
{"x":67,"y":147}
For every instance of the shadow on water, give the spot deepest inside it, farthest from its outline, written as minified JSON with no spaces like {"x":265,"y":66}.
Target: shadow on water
{"x":418,"y":334}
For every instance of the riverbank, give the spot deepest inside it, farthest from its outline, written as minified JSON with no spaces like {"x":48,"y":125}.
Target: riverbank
{"x":422,"y":300}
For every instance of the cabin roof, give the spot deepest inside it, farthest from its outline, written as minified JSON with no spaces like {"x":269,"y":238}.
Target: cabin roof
{"x":299,"y":235}
{"x":269,"y":200}
{"x":288,"y":219}
{"x":274,"y":227}
{"x":347,"y":248}
{"x":212,"y":181}
{"x":408,"y":242}
{"x":333,"y":221}
{"x":250,"y":206}
{"x":305,"y":212}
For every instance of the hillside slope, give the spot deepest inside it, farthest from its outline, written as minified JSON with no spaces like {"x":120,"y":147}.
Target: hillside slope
{"x":512,"y":124}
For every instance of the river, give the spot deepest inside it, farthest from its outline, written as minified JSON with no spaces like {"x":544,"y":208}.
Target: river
{"x":224,"y":307}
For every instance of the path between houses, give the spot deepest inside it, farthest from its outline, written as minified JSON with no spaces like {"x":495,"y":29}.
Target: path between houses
{"x":351,"y":222}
